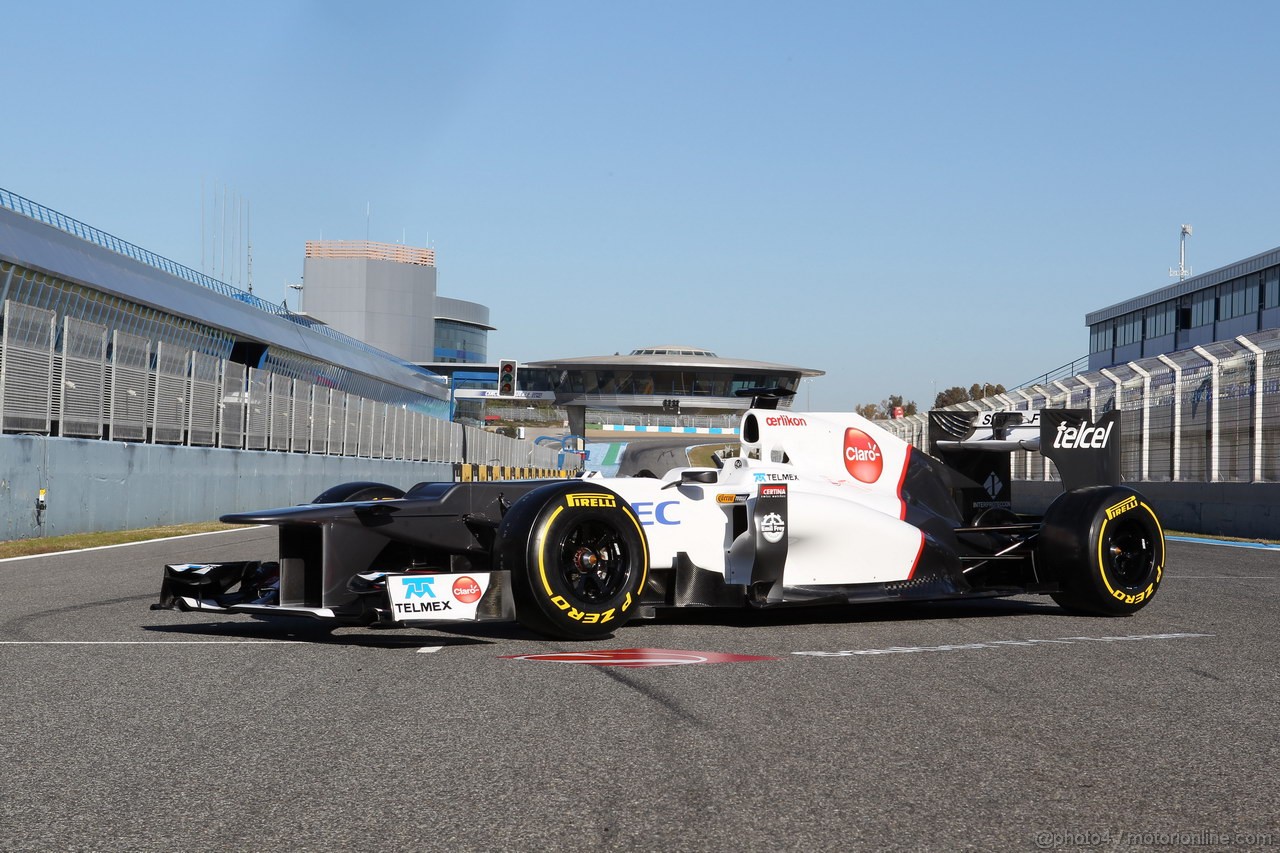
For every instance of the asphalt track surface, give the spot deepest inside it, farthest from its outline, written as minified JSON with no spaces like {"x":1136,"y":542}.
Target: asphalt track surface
{"x":659,"y":454}
{"x":1000,"y":725}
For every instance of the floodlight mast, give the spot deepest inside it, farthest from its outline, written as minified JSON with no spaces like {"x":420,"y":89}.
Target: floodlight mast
{"x":1183,"y":270}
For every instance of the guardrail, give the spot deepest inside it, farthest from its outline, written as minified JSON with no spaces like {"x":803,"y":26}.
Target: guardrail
{"x":1071,"y":368}
{"x":1207,"y":414}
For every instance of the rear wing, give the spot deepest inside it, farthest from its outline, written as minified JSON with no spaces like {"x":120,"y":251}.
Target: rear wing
{"x":976,"y":446}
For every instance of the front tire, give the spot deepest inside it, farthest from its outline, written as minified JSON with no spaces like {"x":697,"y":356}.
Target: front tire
{"x":358,"y":491}
{"x":578,"y":559}
{"x":1106,"y":547}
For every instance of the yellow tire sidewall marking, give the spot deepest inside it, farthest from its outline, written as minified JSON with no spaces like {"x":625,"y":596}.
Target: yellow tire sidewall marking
{"x":1102,"y":571}
{"x":542,"y":563}
{"x":542,"y":552}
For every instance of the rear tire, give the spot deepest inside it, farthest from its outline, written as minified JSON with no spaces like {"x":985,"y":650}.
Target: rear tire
{"x":359,"y":491}
{"x":1105,"y":546}
{"x":578,"y":559}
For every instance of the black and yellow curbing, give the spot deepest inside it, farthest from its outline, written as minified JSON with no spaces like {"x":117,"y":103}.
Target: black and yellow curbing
{"x":470,"y":472}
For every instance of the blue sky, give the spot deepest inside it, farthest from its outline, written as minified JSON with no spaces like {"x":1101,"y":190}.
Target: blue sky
{"x":908,"y":196}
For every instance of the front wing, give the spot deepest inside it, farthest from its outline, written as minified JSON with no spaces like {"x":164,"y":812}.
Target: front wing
{"x":419,"y":598}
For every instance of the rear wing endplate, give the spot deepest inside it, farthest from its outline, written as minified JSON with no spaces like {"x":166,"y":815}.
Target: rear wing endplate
{"x":976,"y":446}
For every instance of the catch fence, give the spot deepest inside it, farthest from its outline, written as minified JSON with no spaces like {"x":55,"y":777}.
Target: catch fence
{"x":79,"y":379}
{"x":1207,"y":414}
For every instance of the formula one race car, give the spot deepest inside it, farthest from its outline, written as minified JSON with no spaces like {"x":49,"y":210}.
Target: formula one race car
{"x":813,"y":509}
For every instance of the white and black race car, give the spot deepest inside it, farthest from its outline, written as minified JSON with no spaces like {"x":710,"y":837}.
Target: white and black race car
{"x":814,"y":509}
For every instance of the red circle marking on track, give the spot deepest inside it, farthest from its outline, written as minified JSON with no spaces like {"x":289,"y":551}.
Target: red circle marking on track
{"x":635,"y":658}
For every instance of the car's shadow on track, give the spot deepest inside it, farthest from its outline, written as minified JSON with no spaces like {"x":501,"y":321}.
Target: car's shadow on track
{"x":313,"y":631}
{"x":488,"y":633}
{"x":835,"y":614}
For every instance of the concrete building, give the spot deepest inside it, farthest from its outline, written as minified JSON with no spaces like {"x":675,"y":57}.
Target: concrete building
{"x":385,"y":294}
{"x":674,"y":379}
{"x":1238,"y":299}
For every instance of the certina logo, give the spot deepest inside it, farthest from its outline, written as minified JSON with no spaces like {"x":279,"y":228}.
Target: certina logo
{"x":608,"y":501}
{"x":466,"y":590}
{"x":1085,"y":436}
{"x":773,"y":491}
{"x":784,"y":420}
{"x":862,"y":456}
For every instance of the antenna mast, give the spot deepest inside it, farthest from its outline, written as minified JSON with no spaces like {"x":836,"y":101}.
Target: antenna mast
{"x":249,"y":245}
{"x":1183,"y":270}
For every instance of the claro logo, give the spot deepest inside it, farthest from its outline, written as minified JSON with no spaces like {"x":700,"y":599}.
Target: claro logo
{"x":466,"y":590}
{"x":784,"y":420}
{"x":1073,"y":438}
{"x":862,"y":456}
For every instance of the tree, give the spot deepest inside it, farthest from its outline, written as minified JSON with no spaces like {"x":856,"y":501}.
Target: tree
{"x":978,"y":392}
{"x":884,"y":409}
{"x":958,"y":394}
{"x":951,"y":396}
{"x":895,"y":401}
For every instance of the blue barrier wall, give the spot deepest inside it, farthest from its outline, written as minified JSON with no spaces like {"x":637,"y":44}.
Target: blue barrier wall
{"x":1242,"y":510}
{"x":108,"y":485}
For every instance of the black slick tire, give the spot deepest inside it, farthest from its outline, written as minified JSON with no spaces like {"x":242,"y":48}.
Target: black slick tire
{"x":1105,"y":546}
{"x":578,"y":559}
{"x":358,"y":491}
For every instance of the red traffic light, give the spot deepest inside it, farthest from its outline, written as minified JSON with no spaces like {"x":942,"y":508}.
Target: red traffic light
{"x":507,"y":378}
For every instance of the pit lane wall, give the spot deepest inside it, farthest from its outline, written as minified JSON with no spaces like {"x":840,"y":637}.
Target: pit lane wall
{"x":1238,"y":510}
{"x":91,"y":485}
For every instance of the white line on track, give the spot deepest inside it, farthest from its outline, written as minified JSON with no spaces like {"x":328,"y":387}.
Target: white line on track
{"x":127,"y":544}
{"x":995,"y":644}
{"x":1225,"y":543}
{"x":426,"y":650}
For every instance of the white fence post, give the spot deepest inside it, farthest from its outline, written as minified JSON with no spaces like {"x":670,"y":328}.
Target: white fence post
{"x":1176,"y":447}
{"x":1093,"y":394}
{"x":1146,"y":421}
{"x":1259,"y":354}
{"x":1213,"y":410}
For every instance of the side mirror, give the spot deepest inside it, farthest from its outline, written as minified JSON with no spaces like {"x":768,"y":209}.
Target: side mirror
{"x":702,"y":477}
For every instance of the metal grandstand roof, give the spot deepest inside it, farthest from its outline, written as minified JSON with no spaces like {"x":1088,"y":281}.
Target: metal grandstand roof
{"x":1249,"y":265}
{"x":632,"y":361}
{"x":56,"y":248}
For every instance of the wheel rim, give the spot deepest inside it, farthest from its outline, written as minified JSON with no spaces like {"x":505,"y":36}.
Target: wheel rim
{"x":594,"y":560}
{"x":1130,"y":553}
